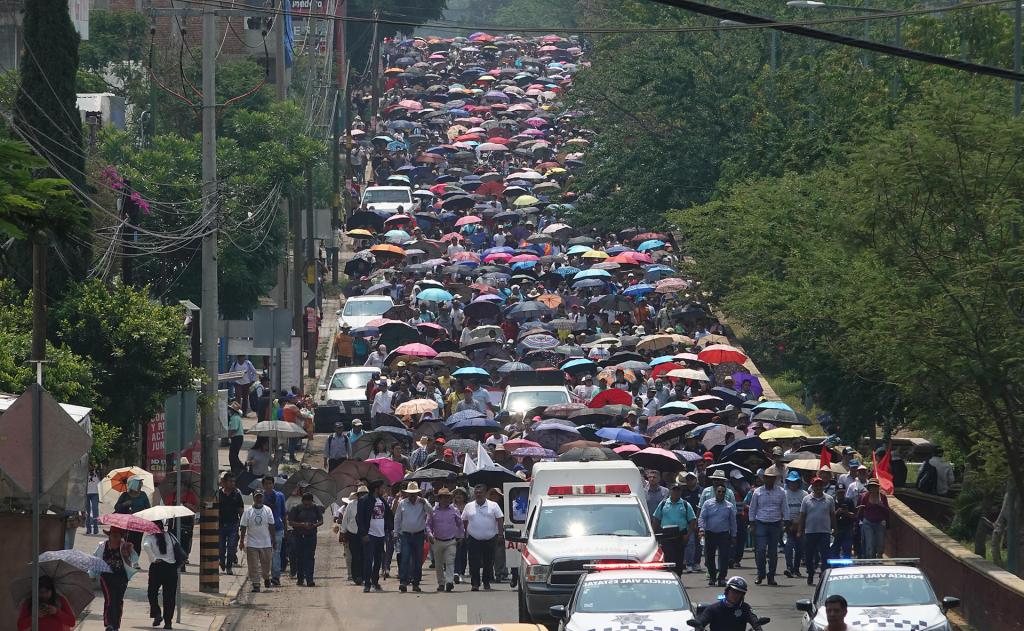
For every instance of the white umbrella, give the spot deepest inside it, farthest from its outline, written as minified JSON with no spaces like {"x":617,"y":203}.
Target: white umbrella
{"x":277,"y":429}
{"x":116,"y":482}
{"x":688,"y":373}
{"x":162,"y":512}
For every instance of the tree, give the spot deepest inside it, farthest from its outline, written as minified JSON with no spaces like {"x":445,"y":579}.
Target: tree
{"x":138,"y":348}
{"x":46,"y":111}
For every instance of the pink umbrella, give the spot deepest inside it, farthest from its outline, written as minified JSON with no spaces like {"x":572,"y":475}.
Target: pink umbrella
{"x":390,"y":469}
{"x":416,"y":350}
{"x":129,"y":522}
{"x":466,"y":256}
{"x":535,"y":121}
{"x":497,"y":256}
{"x":468,"y":219}
{"x":523,"y":258}
{"x":626,"y":449}
{"x":656,"y":458}
{"x":519,"y":443}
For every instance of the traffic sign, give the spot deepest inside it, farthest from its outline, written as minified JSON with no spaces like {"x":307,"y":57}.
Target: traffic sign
{"x":180,"y":411}
{"x":65,"y":442}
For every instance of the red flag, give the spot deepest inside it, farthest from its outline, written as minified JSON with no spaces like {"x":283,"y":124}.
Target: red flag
{"x":883,"y":470}
{"x":826,"y":458}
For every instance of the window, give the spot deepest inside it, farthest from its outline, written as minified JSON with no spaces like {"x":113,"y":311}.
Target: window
{"x":620,"y":520}
{"x":520,"y":402}
{"x":880,"y":589}
{"x":367,"y":307}
{"x":634,"y":595}
{"x":352,"y":380}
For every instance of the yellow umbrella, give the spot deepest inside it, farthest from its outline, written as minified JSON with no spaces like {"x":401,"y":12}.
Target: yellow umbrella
{"x":525,"y":200}
{"x":782,"y":433}
{"x":359,"y":232}
{"x":595,"y":254}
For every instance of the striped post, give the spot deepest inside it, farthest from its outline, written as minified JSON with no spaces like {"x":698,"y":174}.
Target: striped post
{"x":209,"y":536}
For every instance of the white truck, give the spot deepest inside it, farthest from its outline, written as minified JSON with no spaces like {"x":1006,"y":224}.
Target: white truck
{"x":391,"y":199}
{"x":577,"y":514}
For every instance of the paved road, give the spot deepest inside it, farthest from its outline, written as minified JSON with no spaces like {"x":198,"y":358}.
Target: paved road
{"x":337,"y":604}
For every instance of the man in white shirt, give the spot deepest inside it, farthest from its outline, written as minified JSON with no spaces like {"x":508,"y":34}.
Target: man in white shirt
{"x":377,"y":357}
{"x":483,"y":520}
{"x":243,"y":383}
{"x":257,"y":539}
{"x":382,"y":402}
{"x":587,"y":390}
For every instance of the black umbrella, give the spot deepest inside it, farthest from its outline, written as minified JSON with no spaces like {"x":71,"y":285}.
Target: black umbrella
{"x":395,"y":334}
{"x":782,"y":417}
{"x":728,"y":395}
{"x":365,"y":219}
{"x":493,"y":476}
{"x":400,"y":312}
{"x":588,"y":454}
{"x":749,"y":458}
{"x":430,"y":473}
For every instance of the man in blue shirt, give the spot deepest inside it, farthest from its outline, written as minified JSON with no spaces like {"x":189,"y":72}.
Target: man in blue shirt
{"x":275,"y":500}
{"x":677,"y":521}
{"x":717,"y":524}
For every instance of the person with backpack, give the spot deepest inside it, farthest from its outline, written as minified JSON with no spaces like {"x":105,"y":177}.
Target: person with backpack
{"x":336,"y":451}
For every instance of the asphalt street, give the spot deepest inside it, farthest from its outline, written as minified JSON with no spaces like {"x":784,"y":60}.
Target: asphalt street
{"x":337,"y":604}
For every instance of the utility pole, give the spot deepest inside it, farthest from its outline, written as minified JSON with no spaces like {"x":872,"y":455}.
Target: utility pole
{"x":311,"y":265}
{"x":209,"y":579}
{"x":1017,"y":16}
{"x":375,"y":67}
{"x":335,"y":179}
{"x":39,"y":246}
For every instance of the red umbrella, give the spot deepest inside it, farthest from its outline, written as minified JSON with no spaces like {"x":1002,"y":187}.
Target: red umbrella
{"x":611,"y":396}
{"x":129,"y":522}
{"x":720,"y":354}
{"x":661,"y":369}
{"x":416,"y":350}
{"x":468,"y":219}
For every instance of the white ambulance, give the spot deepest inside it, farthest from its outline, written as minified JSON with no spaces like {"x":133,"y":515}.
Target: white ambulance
{"x":576,"y":514}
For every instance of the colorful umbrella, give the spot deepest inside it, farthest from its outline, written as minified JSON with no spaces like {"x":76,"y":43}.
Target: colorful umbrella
{"x":391,"y":470}
{"x":133,"y":523}
{"x":116,"y":482}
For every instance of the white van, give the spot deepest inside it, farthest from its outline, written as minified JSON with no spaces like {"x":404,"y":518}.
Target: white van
{"x":579,"y":513}
{"x":387,"y":198}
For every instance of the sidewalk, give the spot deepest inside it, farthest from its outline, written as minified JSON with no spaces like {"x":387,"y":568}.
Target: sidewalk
{"x":199,"y":611}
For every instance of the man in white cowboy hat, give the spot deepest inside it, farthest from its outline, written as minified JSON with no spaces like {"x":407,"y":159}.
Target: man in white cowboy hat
{"x":444,"y":530}
{"x":350,"y":530}
{"x":768,"y":511}
{"x":410,"y":528}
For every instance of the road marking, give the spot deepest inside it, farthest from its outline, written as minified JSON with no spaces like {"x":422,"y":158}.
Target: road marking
{"x":462,"y":614}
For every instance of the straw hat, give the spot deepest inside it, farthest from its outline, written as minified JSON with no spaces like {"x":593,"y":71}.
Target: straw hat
{"x":413,"y":489}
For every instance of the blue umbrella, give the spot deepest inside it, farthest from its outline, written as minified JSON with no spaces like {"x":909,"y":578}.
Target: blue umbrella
{"x":434,"y":294}
{"x":617,"y":249}
{"x":576,"y":364}
{"x":638,"y":290}
{"x":588,"y":283}
{"x":567,"y":271}
{"x":771,"y":405}
{"x":365,"y":331}
{"x":677,"y":406}
{"x":396,"y":146}
{"x":650,"y":244}
{"x":661,"y":360}
{"x":621,"y":435}
{"x":397,"y":235}
{"x":524,"y":265}
{"x":471,"y":371}
{"x":476,"y":423}
{"x":464,"y":415}
{"x":578,"y":249}
{"x":592,"y":273}
{"x":499,"y":250}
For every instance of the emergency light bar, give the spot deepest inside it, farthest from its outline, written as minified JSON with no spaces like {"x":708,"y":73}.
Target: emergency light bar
{"x":852,"y":562}
{"x":606,"y":567}
{"x":589,"y":489}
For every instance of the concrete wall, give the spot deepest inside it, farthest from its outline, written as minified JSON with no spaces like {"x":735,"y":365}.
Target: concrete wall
{"x":993,"y":599}
{"x":16,"y":553}
{"x":936,"y":509}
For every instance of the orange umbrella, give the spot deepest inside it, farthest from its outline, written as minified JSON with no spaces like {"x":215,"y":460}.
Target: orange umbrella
{"x":550,"y":300}
{"x":387,"y":248}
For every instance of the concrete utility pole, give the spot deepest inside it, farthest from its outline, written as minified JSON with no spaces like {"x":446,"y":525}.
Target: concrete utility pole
{"x":375,"y":67}
{"x":209,"y":579}
{"x":311,"y":265}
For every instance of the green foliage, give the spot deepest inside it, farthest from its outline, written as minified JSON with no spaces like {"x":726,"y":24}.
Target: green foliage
{"x":138,"y":349}
{"x":31,"y":207}
{"x":104,"y":440}
{"x":68,"y":376}
{"x":114,"y":37}
{"x":257,"y":152}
